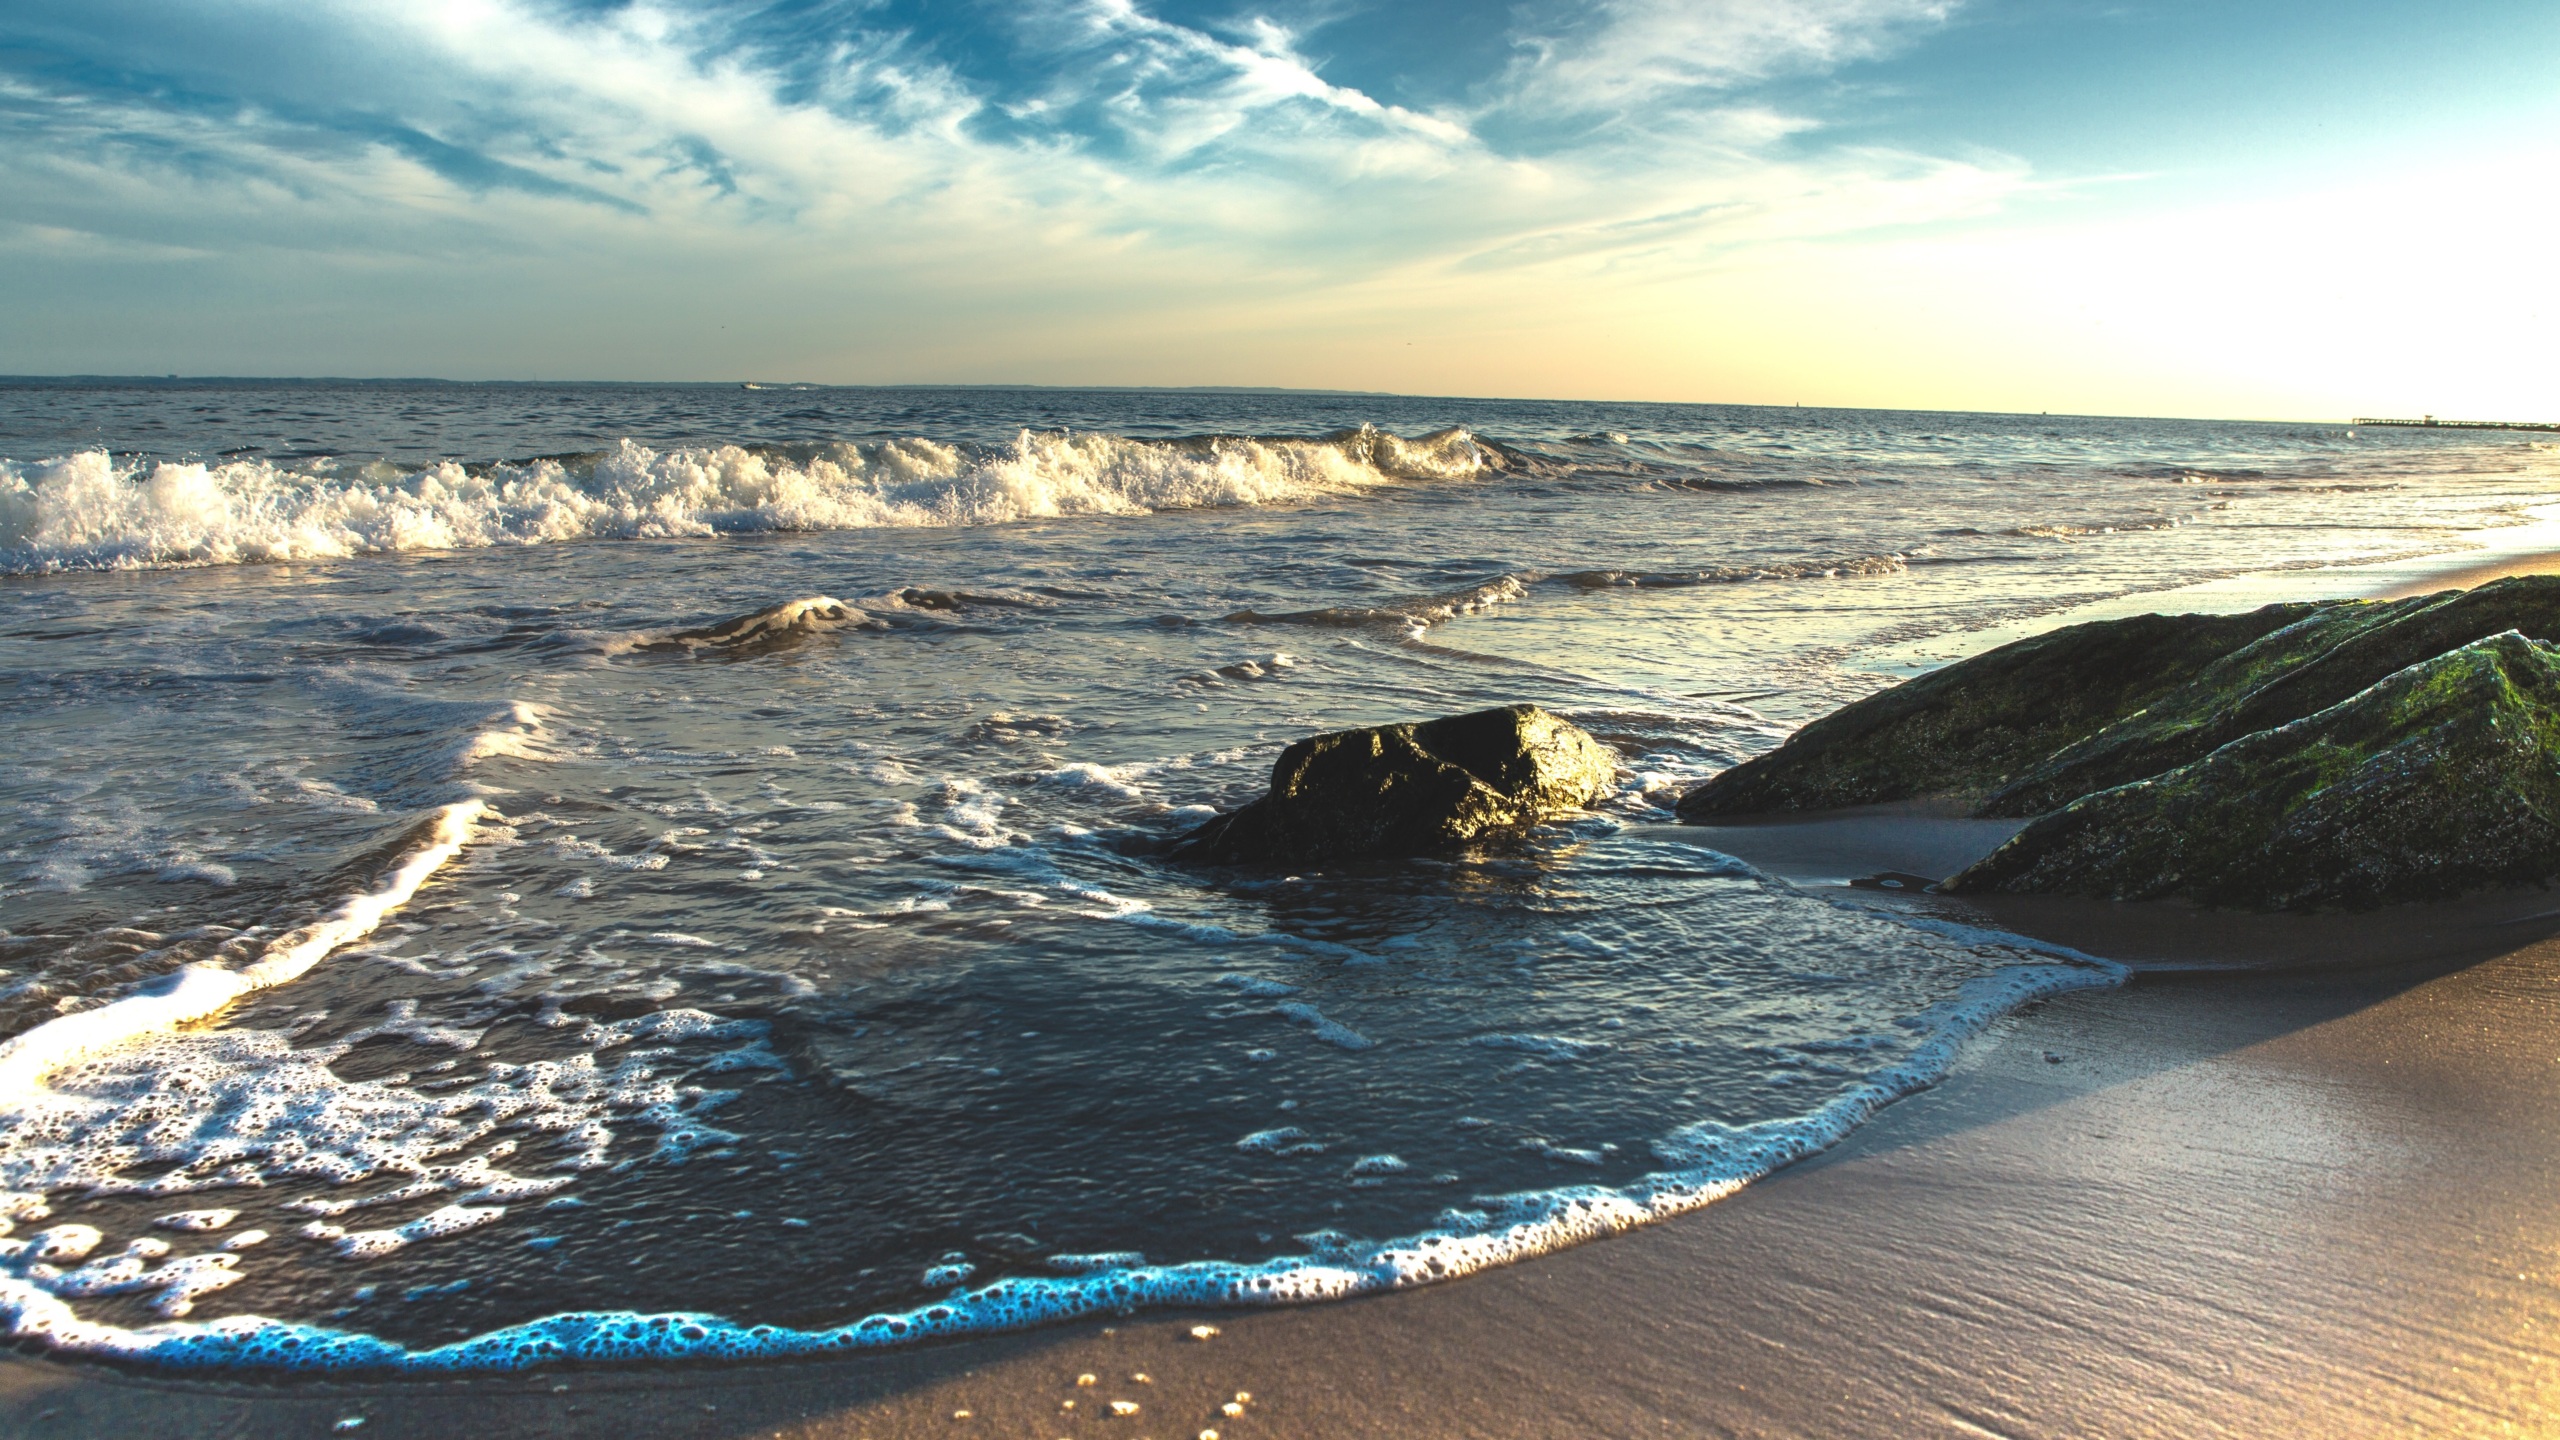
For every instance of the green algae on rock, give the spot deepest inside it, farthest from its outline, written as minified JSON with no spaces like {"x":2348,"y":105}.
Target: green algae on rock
{"x":1965,"y":731}
{"x":2441,"y":779}
{"x":1411,"y":789}
{"x":2303,"y":668}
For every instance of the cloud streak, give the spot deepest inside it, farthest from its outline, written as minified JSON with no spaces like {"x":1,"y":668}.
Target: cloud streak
{"x":1111,"y":157}
{"x":1621,"y":53}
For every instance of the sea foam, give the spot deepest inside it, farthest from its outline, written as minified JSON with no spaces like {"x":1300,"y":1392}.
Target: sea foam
{"x":1703,"y":1163}
{"x":196,"y":991}
{"x":128,"y":1098}
{"x":93,"y":511}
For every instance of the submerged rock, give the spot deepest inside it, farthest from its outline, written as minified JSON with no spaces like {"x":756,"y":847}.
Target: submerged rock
{"x":1965,"y":731}
{"x":2321,"y":659}
{"x":773,"y":626}
{"x":1411,"y":789}
{"x":2442,"y":778}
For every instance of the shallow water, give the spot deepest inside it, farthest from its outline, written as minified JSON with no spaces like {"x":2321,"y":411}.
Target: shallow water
{"x":825,"y":980}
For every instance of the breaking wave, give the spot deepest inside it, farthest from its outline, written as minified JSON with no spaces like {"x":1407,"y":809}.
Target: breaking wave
{"x":199,"y":990}
{"x":95,"y":511}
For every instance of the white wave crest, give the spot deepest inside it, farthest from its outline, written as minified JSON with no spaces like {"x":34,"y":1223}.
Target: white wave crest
{"x":204,"y":989}
{"x":91,"y":511}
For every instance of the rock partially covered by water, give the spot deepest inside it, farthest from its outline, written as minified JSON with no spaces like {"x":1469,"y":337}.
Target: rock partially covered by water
{"x":1411,"y":789}
{"x":770,"y":628}
{"x":1965,"y":731}
{"x":2316,"y":662}
{"x":2442,"y":778}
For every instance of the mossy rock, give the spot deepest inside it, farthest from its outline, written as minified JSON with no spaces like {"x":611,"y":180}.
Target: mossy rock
{"x":1411,"y":789}
{"x":2303,"y":668}
{"x":2443,"y":778}
{"x":1962,"y":732}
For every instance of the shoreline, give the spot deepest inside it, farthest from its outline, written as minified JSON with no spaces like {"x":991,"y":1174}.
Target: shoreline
{"x":2472,"y":576}
{"x":2288,"y":1198}
{"x":2258,"y":1203}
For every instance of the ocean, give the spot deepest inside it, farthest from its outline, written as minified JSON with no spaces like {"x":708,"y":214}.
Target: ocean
{"x":434,"y":940}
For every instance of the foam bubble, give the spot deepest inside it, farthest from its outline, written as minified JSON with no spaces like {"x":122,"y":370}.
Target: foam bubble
{"x":1331,"y":1032}
{"x":1254,"y":985}
{"x":197,"y":1219}
{"x":1412,"y":617}
{"x":1268,"y":667}
{"x":434,"y":1225}
{"x":1088,"y":1264}
{"x":1117,"y":782}
{"x":1849,"y":566}
{"x":1545,"y":1047}
{"x":1286,"y":1140}
{"x":130,"y":1271}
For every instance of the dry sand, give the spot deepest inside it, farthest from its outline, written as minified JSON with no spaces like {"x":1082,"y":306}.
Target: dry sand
{"x":2317,"y":1199}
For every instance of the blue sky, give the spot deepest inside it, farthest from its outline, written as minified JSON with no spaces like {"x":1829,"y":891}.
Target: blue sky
{"x":2160,"y":206}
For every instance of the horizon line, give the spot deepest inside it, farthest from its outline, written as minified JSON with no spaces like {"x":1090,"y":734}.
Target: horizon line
{"x":181,"y":379}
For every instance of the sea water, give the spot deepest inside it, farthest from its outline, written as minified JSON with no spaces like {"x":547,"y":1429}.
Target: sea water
{"x":436,"y":937}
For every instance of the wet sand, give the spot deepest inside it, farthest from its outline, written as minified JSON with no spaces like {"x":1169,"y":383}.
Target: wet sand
{"x":2315,"y":1196}
{"x":2472,"y":576}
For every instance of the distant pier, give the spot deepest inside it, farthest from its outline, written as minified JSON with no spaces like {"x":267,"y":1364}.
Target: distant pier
{"x":2429,"y":422}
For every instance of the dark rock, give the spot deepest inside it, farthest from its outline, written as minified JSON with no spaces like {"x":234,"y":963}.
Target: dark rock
{"x":1410,"y":789}
{"x":2441,"y":779}
{"x":1962,"y":732}
{"x":2303,"y":668}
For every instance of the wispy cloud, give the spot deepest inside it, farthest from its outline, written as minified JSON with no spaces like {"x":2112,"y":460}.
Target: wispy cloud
{"x":1104,"y":153}
{"x":57,"y":242}
{"x":1177,"y":90}
{"x":1620,"y":53}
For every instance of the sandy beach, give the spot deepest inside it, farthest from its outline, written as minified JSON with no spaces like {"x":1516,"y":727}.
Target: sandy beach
{"x":1176,"y":721}
{"x":2311,"y":1197}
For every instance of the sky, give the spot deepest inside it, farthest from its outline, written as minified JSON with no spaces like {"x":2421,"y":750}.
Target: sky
{"x":2252,"y":208}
